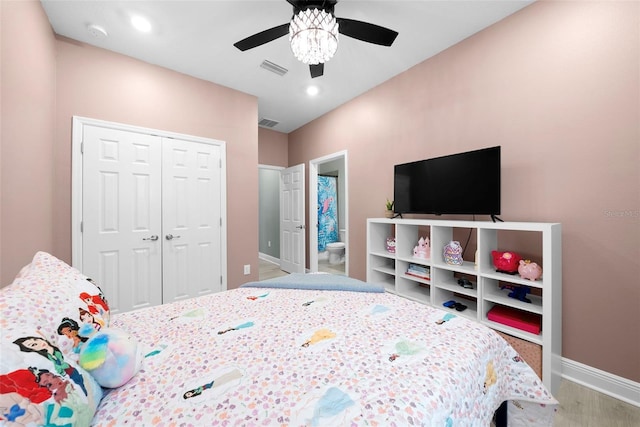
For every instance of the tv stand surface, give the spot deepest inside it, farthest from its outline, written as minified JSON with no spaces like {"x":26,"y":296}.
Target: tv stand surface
{"x":488,"y":286}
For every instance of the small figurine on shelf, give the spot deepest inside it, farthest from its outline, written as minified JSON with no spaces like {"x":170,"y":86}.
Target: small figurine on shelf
{"x":518,"y":292}
{"x":391,"y":245}
{"x":529,"y":270}
{"x":453,"y":253}
{"x":423,"y":250}
{"x":506,"y":262}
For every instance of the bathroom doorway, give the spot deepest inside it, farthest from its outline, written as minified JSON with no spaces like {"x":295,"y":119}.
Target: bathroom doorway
{"x":328,"y":212}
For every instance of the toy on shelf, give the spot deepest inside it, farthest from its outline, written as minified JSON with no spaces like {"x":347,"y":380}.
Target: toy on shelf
{"x":506,"y":262}
{"x":529,"y":270}
{"x":391,"y":245}
{"x":423,"y":250}
{"x":465,"y":283}
{"x":453,"y":253}
{"x":518,"y":292}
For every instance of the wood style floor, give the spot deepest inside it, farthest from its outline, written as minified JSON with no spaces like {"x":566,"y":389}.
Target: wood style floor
{"x":579,"y":406}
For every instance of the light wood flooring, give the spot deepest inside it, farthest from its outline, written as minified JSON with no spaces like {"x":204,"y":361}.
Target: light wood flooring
{"x":579,"y":406}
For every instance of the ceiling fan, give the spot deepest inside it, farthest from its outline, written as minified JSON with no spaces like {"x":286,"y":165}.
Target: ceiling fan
{"x":313,"y":33}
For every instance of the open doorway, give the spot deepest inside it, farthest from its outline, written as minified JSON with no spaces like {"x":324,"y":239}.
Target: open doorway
{"x":269,"y":221}
{"x":328,"y":214}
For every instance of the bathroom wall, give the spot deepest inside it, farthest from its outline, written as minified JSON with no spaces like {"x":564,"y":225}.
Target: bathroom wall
{"x":268,"y":211}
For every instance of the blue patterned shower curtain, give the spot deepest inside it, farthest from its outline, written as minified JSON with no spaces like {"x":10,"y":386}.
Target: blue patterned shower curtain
{"x":327,"y":211}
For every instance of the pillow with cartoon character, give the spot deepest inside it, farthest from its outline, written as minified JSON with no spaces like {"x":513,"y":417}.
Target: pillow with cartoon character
{"x":72,"y":299}
{"x":39,"y":385}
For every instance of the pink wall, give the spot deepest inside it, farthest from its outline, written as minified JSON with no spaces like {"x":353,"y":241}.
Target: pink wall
{"x":273,"y":148}
{"x":100,"y":84}
{"x":47,"y":80}
{"x":28,"y":70}
{"x":557,"y":85}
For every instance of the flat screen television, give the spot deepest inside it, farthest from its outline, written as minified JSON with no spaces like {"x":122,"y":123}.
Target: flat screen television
{"x":464,"y":183}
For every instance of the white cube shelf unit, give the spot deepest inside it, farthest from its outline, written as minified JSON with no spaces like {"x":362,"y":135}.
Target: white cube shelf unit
{"x":490,"y":288}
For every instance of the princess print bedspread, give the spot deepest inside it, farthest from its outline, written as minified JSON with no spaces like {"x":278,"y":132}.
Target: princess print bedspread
{"x":288,"y":357}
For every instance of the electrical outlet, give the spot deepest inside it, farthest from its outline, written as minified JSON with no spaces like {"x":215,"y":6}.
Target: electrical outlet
{"x":247,"y":269}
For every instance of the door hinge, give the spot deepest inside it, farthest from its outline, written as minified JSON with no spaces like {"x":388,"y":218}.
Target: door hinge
{"x":220,"y":163}
{"x":82,"y":148}
{"x":221,"y":280}
{"x":220,"y":221}
{"x":81,"y":226}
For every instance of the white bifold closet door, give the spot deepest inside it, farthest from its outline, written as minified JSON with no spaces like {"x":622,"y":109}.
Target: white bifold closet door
{"x":151,"y":216}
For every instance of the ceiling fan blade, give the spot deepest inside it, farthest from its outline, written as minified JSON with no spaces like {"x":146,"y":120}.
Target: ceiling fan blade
{"x":317,"y":70}
{"x":366,"y":32}
{"x":295,"y":3}
{"x":262,"y":37}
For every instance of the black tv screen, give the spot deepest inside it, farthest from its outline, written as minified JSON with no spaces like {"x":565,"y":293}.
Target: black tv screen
{"x":464,"y":183}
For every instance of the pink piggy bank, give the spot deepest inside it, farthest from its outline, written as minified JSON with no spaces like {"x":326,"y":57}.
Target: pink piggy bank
{"x":529,"y":270}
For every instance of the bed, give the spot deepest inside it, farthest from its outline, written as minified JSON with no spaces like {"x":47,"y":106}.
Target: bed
{"x":300,"y":350}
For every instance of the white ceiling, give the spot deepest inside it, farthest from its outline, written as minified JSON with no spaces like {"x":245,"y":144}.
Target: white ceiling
{"x":196,"y":38}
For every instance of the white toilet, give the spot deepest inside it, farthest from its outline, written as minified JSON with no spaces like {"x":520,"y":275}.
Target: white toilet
{"x":336,"y":250}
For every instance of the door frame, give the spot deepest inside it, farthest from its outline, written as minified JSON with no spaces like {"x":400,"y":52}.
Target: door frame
{"x":76,"y":182}
{"x":313,"y":211}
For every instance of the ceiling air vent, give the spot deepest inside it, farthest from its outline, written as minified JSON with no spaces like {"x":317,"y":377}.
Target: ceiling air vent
{"x":267,"y":123}
{"x":274,"y":68}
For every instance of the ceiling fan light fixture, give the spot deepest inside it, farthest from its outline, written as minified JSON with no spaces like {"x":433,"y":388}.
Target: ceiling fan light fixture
{"x":313,"y":34}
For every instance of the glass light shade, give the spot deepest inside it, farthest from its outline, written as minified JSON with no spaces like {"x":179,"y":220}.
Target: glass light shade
{"x":313,"y":34}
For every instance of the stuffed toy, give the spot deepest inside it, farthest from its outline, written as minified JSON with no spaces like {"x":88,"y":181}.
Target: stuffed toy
{"x":110,"y":355}
{"x":423,"y":250}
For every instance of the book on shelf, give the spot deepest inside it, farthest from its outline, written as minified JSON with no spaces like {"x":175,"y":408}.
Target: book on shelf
{"x":419,"y":271}
{"x":427,"y":278}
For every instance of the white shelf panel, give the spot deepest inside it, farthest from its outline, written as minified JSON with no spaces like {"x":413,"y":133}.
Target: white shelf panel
{"x":414,"y":260}
{"x":418,"y":295}
{"x":383,"y":254}
{"x":451,"y":287}
{"x":467,"y":267}
{"x":416,"y":279}
{"x":504,"y":277}
{"x":502,"y":297}
{"x":387,"y":270}
{"x":518,"y":333}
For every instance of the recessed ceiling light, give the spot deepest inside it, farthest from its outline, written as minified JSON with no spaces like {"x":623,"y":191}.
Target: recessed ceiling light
{"x":312,"y":90}
{"x":141,"y":24}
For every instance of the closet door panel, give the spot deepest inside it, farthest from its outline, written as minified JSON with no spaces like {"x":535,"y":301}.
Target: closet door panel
{"x":191,"y":219}
{"x":121,"y":212}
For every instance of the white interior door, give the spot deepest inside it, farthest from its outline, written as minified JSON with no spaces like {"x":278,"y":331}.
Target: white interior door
{"x":191,"y":221}
{"x":121,"y":204}
{"x":292,"y":234}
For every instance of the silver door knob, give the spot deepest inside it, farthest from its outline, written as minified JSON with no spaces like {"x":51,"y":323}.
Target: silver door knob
{"x":300,"y":227}
{"x":152,"y":238}
{"x":171,"y":237}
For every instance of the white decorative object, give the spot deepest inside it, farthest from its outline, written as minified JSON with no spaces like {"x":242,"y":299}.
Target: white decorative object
{"x":313,"y":34}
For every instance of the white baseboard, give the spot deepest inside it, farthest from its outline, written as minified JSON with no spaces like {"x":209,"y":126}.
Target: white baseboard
{"x":269,"y":258}
{"x":273,"y":260}
{"x":603,"y":382}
